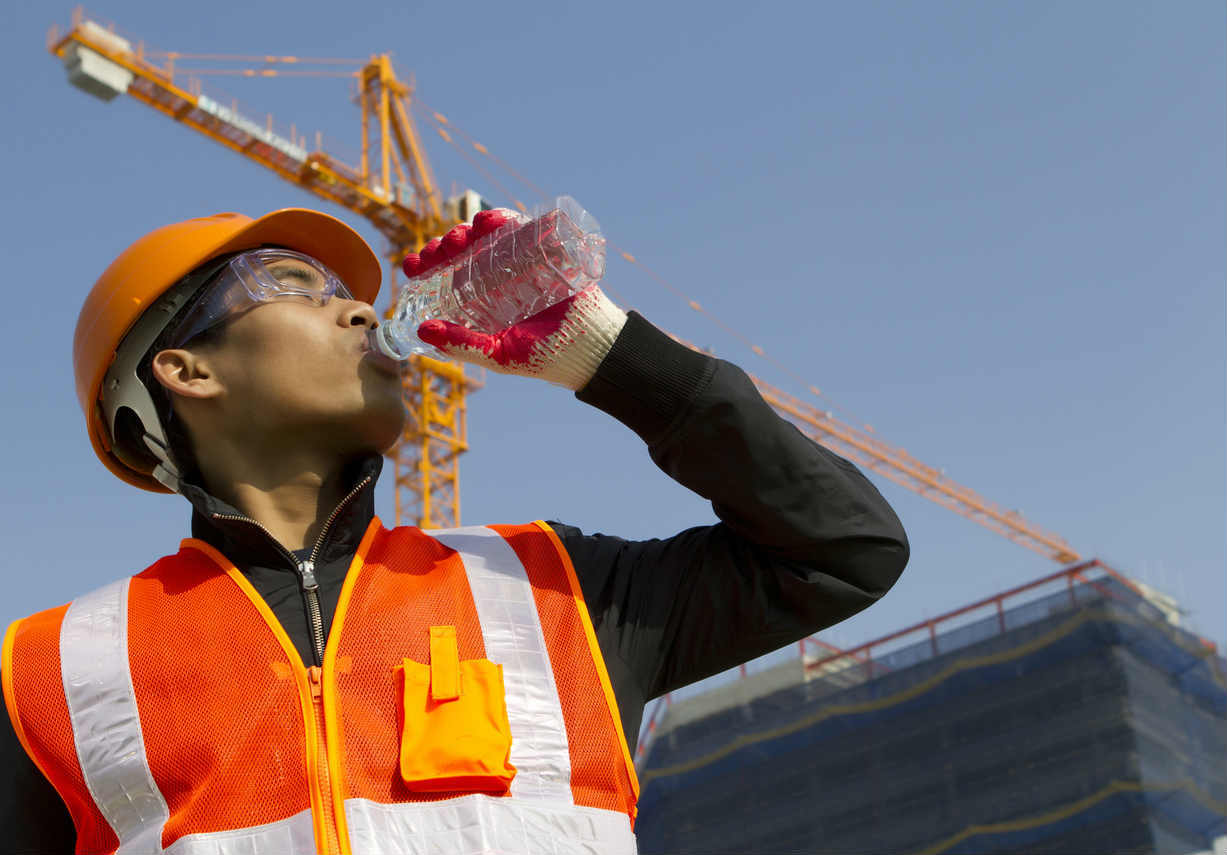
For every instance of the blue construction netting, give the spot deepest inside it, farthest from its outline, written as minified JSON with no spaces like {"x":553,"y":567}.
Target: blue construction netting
{"x":1088,"y":718}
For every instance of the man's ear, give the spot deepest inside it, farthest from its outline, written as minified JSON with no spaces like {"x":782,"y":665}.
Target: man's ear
{"x":185,"y":373}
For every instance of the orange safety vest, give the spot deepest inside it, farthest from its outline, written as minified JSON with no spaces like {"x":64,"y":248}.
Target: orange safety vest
{"x":463,"y":706}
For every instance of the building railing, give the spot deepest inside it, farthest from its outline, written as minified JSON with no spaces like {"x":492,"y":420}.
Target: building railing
{"x":937,"y":632}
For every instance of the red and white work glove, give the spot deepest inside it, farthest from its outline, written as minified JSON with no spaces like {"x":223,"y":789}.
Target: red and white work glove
{"x":563,"y":344}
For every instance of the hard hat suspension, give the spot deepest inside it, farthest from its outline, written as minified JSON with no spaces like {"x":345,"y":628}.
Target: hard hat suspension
{"x":129,"y":412}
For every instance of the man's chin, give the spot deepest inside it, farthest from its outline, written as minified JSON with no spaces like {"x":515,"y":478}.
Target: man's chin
{"x":382,"y":428}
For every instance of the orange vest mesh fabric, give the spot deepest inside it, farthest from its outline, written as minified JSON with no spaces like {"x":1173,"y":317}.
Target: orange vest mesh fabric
{"x":409,"y":583}
{"x":39,"y":691}
{"x":216,"y":689}
{"x":406,"y":566}
{"x":597,"y":758}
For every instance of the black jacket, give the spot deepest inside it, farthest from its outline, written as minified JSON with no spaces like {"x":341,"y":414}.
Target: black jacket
{"x":804,"y":541}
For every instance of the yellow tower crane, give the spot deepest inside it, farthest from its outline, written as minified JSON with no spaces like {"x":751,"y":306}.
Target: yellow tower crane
{"x":394,"y":189}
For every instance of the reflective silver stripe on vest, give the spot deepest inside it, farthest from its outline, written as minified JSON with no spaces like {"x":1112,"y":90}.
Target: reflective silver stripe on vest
{"x":485,"y":825}
{"x":111,"y":748}
{"x":106,"y":727}
{"x":511,"y":630}
{"x":294,"y":835}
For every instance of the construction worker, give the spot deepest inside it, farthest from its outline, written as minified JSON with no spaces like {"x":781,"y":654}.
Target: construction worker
{"x":298,"y":678}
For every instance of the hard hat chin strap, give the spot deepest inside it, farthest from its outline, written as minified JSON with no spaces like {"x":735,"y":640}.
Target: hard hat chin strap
{"x":166,"y":472}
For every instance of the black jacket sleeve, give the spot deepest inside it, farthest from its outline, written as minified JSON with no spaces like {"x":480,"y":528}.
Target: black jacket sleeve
{"x":804,"y":539}
{"x":33,"y":818}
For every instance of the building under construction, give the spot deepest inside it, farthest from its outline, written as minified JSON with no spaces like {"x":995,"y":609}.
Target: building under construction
{"x":1071,"y":715}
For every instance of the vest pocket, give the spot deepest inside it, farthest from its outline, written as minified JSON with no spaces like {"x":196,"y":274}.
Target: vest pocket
{"x":454,"y":729}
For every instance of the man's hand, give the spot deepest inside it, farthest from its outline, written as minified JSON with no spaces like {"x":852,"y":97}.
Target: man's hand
{"x":562,"y":344}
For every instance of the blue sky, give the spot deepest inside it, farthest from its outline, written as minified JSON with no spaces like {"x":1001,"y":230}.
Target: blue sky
{"x":995,"y":232}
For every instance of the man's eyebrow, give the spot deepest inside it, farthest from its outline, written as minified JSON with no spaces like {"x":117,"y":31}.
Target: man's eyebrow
{"x":298,"y":269}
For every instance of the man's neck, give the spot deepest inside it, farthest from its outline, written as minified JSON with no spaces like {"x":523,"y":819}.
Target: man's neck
{"x":291,"y":496}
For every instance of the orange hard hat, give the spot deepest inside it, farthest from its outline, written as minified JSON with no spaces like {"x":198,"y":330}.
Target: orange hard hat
{"x":149,"y":268}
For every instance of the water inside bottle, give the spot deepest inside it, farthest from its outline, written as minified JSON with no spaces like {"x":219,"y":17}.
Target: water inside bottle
{"x":525,"y":270}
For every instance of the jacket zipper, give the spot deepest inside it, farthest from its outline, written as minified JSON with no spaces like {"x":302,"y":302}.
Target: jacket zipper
{"x":315,"y":674}
{"x":306,"y":569}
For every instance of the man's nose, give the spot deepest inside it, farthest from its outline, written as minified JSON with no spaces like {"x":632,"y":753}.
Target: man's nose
{"x":358,"y":314}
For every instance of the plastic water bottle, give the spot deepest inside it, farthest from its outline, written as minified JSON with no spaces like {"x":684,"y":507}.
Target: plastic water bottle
{"x":500,"y":280}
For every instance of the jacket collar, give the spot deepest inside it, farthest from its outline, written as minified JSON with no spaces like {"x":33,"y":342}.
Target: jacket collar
{"x":222,"y":526}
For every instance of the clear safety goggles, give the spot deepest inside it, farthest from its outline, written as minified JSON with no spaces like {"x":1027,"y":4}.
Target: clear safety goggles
{"x":259,"y":276}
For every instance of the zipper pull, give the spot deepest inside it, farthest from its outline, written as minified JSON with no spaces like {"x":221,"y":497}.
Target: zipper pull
{"x":315,"y":676}
{"x":306,"y":569}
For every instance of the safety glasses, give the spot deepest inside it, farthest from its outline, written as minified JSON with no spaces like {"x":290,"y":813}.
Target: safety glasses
{"x":259,"y":276}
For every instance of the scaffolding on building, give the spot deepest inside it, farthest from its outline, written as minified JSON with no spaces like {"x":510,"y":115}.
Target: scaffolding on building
{"x":1072,"y":714}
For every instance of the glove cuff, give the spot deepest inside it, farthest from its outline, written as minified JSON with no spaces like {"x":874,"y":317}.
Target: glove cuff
{"x":584,"y":339}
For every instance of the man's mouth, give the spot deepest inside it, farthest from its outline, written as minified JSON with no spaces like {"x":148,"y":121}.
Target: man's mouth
{"x":384,"y":363}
